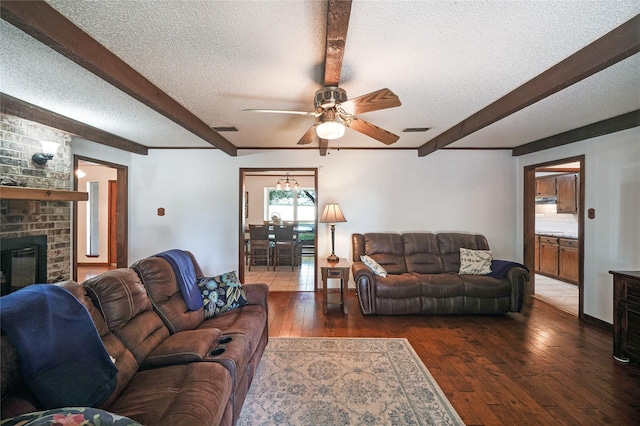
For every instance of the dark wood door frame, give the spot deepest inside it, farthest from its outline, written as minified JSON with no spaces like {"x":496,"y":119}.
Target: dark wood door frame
{"x":122,"y":219}
{"x":113,"y":219}
{"x":241,"y":213}
{"x":529,"y":226}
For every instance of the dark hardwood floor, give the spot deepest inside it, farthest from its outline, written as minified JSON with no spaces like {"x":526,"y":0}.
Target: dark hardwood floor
{"x":541,"y":367}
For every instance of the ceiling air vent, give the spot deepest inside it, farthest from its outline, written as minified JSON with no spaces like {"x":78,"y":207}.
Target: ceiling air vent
{"x":225,"y":129}
{"x":415,"y":129}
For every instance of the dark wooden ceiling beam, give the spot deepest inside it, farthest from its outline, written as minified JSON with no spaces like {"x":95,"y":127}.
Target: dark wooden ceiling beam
{"x":604,"y":127}
{"x":47,"y":25}
{"x":608,"y":50}
{"x":324,"y":147}
{"x":18,"y":108}
{"x":338,"y":14}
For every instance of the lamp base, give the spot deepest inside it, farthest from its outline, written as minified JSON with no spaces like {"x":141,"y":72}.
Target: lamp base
{"x":333,"y":258}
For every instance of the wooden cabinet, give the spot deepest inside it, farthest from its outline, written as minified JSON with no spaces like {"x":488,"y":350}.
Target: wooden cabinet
{"x":566,"y":193}
{"x":626,"y":315}
{"x":546,"y":186}
{"x":536,"y":251}
{"x":558,"y":258}
{"x":568,"y":256}
{"x":549,"y":255}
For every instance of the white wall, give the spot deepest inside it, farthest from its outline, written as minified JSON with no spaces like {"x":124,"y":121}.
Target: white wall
{"x":612,"y":239}
{"x":396,"y":191}
{"x":449,"y":190}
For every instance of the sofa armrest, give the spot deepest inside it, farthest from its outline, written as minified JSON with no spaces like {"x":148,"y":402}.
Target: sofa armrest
{"x":183,"y":347}
{"x":518,"y":277}
{"x":365,"y":283}
{"x":256,"y":294}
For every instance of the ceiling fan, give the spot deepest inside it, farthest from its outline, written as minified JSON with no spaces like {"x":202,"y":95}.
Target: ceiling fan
{"x":331,"y":103}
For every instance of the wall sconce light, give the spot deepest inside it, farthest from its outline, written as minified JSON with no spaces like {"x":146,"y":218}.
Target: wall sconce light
{"x":49,"y":150}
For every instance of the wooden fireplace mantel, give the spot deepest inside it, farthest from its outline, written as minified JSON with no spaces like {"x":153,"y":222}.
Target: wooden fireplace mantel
{"x":35,"y":194}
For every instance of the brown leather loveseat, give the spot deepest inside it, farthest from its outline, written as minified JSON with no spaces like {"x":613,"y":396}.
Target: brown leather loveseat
{"x":174,"y":367}
{"x":423,"y":276}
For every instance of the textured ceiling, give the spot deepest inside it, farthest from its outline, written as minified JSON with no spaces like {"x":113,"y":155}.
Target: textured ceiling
{"x":444,"y":59}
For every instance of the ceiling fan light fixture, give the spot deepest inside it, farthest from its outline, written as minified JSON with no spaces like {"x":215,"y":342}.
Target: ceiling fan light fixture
{"x":330,"y":130}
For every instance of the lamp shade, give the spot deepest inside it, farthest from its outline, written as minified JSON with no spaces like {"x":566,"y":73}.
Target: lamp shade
{"x":330,"y":130}
{"x":49,"y":147}
{"x":332,"y":214}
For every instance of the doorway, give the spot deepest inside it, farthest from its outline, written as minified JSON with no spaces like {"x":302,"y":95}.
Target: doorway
{"x":100,"y":225}
{"x":554,"y":232}
{"x":261,"y":201}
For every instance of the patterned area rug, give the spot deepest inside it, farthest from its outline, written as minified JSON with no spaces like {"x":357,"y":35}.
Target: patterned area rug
{"x":344,"y":381}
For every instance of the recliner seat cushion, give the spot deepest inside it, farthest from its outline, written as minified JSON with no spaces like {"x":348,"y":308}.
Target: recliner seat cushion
{"x":440,"y":285}
{"x":485,"y":287}
{"x":398,"y":286}
{"x":191,"y":394}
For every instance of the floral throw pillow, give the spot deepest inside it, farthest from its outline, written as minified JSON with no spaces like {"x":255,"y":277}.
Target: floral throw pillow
{"x":475,"y":262}
{"x":374,"y":266}
{"x":70,"y":416}
{"x":221,"y":293}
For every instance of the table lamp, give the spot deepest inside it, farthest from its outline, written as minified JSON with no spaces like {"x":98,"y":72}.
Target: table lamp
{"x":332,"y":215}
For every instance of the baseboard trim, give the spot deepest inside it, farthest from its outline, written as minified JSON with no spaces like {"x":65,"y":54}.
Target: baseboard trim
{"x":94,"y":264}
{"x":597,"y":322}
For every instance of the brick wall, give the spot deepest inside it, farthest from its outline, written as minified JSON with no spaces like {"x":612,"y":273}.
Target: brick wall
{"x":19,"y":140}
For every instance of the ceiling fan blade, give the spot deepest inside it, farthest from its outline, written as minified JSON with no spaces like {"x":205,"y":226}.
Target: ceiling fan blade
{"x":373,"y":131}
{"x":309,"y":136}
{"x":338,"y":14}
{"x":374,"y":101}
{"x":280,"y":111}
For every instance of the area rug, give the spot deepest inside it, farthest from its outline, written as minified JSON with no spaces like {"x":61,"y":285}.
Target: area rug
{"x":344,"y":381}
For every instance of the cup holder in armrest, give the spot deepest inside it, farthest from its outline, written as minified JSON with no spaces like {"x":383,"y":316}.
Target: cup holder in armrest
{"x":225,"y":340}
{"x":217,"y":351}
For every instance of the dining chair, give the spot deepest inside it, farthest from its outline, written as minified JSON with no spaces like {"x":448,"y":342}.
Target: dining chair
{"x":259,"y":244}
{"x":285,"y":245}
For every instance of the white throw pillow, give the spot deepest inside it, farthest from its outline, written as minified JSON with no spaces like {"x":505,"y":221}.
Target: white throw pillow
{"x":374,"y":266}
{"x":475,"y":262}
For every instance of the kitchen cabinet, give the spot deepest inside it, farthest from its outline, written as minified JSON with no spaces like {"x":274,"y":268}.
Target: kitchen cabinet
{"x":626,"y":315}
{"x":536,"y":251}
{"x":566,"y":193}
{"x":568,"y":260}
{"x":557,"y":257}
{"x":546,"y":186}
{"x":549,"y":255}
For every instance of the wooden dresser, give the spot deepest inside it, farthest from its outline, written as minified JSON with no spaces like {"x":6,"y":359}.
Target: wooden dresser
{"x":626,"y":315}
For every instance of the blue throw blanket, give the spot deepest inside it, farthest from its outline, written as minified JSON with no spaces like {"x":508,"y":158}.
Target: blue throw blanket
{"x":185,"y":271}
{"x":499,"y":268}
{"x":63,"y":359}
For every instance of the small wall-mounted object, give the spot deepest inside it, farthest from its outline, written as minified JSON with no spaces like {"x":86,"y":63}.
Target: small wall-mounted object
{"x":49,"y":149}
{"x":591,"y":213}
{"x":160,"y":211}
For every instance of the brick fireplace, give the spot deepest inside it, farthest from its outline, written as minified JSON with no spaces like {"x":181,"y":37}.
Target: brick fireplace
{"x":19,"y":140}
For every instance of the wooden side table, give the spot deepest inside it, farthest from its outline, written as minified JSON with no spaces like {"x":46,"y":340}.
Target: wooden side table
{"x":338,"y":270}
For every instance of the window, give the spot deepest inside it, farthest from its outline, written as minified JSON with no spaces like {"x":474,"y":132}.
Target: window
{"x":297,"y":205}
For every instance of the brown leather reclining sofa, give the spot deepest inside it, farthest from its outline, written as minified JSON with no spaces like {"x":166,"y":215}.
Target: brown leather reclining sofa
{"x":174,"y":366}
{"x":423,"y":276}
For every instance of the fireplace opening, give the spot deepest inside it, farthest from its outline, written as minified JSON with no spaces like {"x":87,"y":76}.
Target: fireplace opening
{"x":23,"y":261}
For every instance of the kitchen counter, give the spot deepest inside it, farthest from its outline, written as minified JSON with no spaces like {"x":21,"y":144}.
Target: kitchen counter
{"x":556,"y":234}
